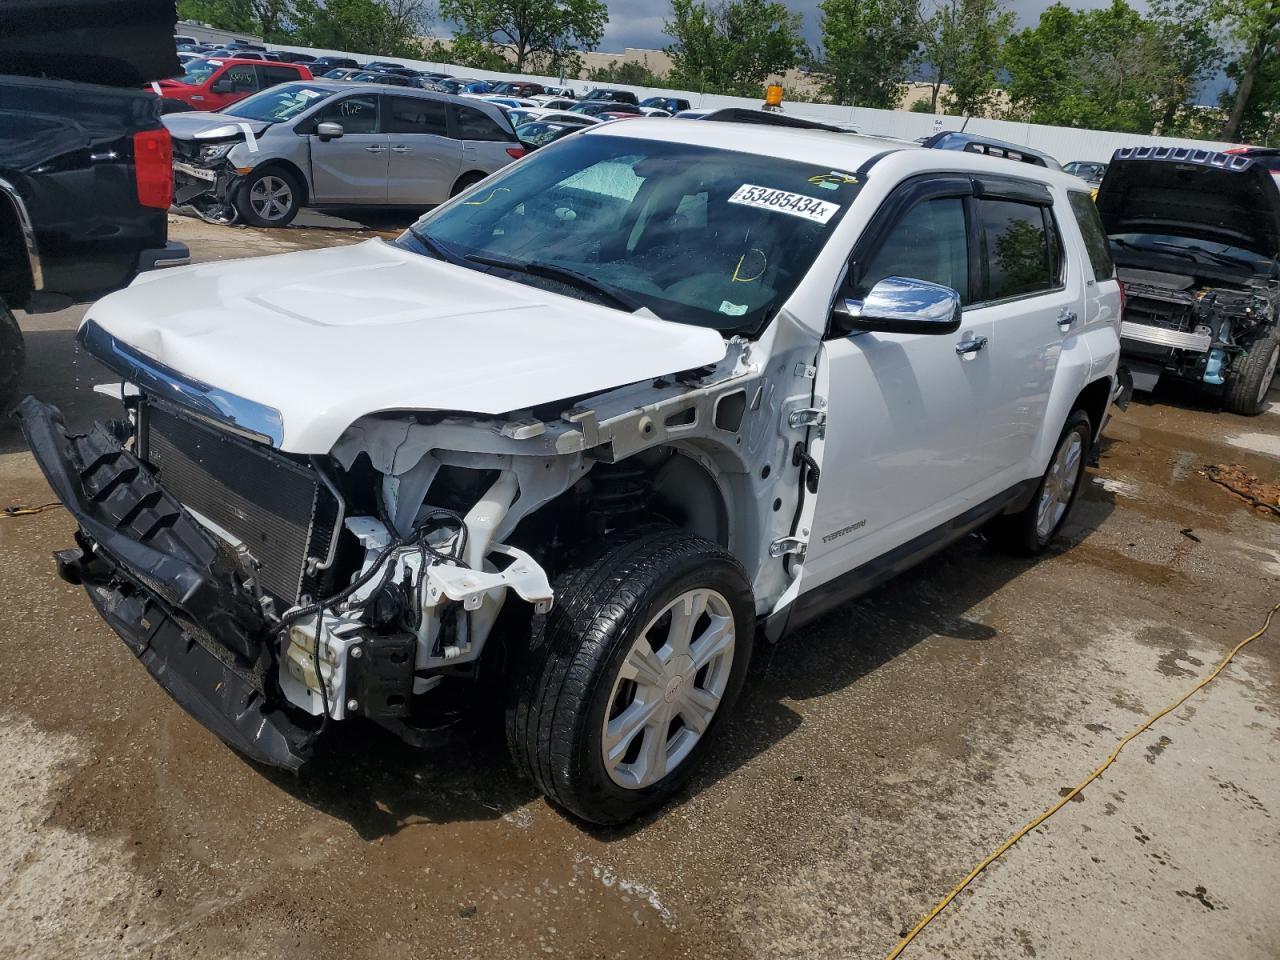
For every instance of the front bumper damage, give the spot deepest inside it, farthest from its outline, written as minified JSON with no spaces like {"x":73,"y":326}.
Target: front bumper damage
{"x":206,"y":189}
{"x":170,"y":590}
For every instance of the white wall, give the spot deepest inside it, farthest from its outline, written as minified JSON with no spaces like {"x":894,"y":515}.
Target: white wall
{"x":1062,"y":143}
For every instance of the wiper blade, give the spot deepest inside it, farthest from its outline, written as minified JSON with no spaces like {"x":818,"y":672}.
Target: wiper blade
{"x":435,"y":247}
{"x":566,"y":275}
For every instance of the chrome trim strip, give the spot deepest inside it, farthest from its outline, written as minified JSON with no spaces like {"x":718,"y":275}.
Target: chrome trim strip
{"x":248,"y":418}
{"x":1179,"y":340}
{"x":28,"y":233}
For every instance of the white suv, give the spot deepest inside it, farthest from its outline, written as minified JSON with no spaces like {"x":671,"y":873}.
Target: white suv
{"x":582,"y":437}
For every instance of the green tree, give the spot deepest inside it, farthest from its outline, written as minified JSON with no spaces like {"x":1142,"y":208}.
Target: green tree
{"x":629,"y":72}
{"x":869,"y":50}
{"x":235,"y":15}
{"x":963,"y":40}
{"x":732,"y":47}
{"x":541,"y":34}
{"x":1108,"y":69}
{"x":1254,"y":29}
{"x":1195,"y":51}
{"x":385,"y":28}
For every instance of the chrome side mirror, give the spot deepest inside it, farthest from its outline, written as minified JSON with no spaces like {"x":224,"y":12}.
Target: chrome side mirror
{"x":900,"y":305}
{"x":329,"y":130}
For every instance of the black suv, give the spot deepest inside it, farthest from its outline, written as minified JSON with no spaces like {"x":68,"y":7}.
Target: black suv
{"x":1196,"y":238}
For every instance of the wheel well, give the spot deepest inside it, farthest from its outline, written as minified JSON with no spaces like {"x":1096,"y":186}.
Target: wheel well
{"x":293,"y":170}
{"x":1093,"y":400}
{"x":15,"y":274}
{"x":465,"y":180}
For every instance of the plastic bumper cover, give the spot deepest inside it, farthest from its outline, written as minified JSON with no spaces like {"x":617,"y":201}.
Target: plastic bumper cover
{"x":166,"y":587}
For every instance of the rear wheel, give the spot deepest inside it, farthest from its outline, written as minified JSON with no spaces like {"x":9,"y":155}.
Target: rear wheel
{"x":466,"y":182}
{"x":1252,"y":376}
{"x":13,"y":356}
{"x":1031,"y":529}
{"x":621,"y":692}
{"x":268,"y":198}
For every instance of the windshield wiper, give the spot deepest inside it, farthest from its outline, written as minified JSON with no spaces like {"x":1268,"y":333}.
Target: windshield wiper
{"x":435,"y":247}
{"x":1171,"y":247}
{"x":566,"y":275}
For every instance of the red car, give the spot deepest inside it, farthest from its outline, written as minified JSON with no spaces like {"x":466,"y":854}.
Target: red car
{"x":217,"y":82}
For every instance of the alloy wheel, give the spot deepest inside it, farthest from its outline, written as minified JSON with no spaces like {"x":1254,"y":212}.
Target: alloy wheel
{"x":669,"y":688}
{"x":271,"y":198}
{"x":1059,"y":484}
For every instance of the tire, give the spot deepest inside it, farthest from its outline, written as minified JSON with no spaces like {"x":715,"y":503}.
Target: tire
{"x":580,"y":671}
{"x":1251,"y":377}
{"x":1032,"y":529}
{"x":13,"y":355}
{"x":466,"y":182}
{"x":269,"y":197}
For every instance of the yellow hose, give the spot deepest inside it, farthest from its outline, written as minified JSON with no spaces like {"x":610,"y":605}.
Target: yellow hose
{"x":1141,"y":728}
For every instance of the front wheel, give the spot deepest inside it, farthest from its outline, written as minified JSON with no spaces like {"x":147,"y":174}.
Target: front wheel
{"x":1031,"y":529}
{"x":268,"y":198}
{"x":1252,"y":376}
{"x":624,"y":688}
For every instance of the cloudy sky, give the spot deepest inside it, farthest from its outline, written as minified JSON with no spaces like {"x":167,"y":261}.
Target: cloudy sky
{"x":638,"y":23}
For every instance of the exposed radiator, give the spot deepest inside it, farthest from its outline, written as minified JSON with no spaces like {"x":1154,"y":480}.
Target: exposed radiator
{"x":250,"y":494}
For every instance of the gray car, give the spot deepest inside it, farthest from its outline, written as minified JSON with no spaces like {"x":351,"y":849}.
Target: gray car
{"x":329,"y":143}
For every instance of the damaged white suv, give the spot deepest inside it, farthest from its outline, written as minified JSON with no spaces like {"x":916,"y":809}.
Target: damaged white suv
{"x":581,"y":437}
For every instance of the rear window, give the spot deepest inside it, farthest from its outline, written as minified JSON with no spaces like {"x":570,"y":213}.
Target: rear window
{"x":417,"y":115}
{"x":474,"y":125}
{"x":1095,"y":237}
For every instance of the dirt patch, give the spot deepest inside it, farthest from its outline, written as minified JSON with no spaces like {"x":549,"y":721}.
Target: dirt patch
{"x":1263,"y":495}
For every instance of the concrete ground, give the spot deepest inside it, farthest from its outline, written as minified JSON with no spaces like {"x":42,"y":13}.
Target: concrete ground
{"x":874,"y":758}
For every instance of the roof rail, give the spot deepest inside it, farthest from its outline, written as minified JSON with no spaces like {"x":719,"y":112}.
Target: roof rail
{"x":765,"y":117}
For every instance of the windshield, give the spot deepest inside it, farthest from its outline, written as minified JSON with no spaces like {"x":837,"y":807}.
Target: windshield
{"x":701,"y":236}
{"x":198,"y":71}
{"x":279,"y":103}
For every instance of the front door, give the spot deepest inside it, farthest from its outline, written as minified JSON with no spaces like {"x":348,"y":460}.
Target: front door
{"x":424,"y":160}
{"x":351,"y":168}
{"x":909,"y":439}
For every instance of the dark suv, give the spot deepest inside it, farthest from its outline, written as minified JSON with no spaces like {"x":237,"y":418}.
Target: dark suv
{"x":1196,"y":237}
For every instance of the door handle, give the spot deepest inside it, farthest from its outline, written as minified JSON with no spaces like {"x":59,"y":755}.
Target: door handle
{"x":373,"y":148}
{"x":399,"y":149}
{"x":1065,"y":319}
{"x":972,"y":345}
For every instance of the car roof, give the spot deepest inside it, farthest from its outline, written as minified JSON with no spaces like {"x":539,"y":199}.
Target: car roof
{"x":841,"y":151}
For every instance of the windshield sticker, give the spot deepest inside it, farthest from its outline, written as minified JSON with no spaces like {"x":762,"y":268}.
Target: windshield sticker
{"x":783,"y":201}
{"x":833,"y":180}
{"x":733,"y":309}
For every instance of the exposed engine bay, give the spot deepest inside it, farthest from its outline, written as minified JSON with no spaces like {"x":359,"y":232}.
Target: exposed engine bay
{"x":1193,"y":327}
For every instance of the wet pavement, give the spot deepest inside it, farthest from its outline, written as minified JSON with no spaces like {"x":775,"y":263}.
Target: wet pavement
{"x":874,"y":758}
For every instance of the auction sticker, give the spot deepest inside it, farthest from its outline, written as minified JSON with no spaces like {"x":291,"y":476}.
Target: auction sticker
{"x":782,"y":201}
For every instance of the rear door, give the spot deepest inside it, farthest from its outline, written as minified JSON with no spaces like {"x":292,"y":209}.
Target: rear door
{"x":424,"y":160}
{"x":1031,"y":297}
{"x":351,"y":168}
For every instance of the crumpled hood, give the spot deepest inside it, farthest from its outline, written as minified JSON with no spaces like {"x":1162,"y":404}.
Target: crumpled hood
{"x":203,"y":125}
{"x":327,"y":336}
{"x":1182,"y":192}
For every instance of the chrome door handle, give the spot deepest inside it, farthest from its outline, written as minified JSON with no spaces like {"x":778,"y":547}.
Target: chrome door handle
{"x":373,"y":148}
{"x":972,"y":345}
{"x":399,"y":149}
{"x":1065,"y":319}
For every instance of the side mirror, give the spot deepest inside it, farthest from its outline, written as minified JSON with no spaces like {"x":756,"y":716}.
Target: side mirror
{"x":900,"y":305}
{"x":222,"y":85}
{"x":329,"y":130}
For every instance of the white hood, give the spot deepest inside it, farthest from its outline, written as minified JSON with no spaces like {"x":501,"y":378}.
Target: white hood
{"x":328,"y":336}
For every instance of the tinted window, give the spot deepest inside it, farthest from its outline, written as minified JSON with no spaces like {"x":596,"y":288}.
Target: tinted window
{"x":928,"y":243}
{"x":416,"y":115}
{"x":273,"y":75}
{"x":474,"y":125}
{"x":358,"y":114}
{"x":1019,"y":255}
{"x":1095,"y":237}
{"x":243,"y":77}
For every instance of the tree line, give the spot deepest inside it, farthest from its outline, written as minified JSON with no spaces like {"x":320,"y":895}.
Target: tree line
{"x":1114,"y":68}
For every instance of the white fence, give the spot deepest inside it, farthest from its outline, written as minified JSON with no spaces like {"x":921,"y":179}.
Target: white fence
{"x":1063,"y":143}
